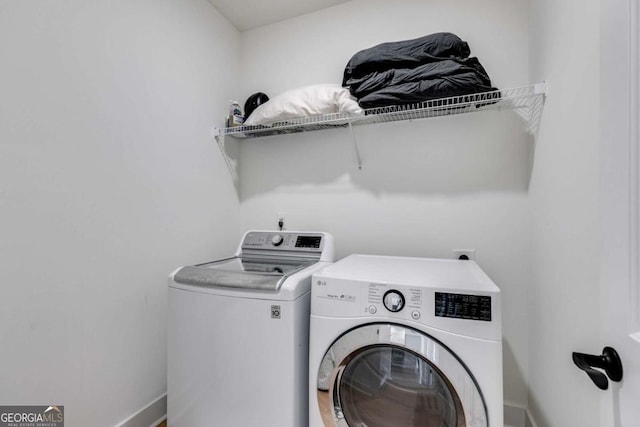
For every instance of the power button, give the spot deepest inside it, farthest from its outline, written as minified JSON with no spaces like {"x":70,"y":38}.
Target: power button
{"x":372,"y":309}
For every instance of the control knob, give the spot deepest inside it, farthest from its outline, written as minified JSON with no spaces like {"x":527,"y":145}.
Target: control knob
{"x":393,"y":301}
{"x":277,"y":240}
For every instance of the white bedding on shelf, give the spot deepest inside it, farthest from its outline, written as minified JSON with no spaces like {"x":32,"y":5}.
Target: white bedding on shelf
{"x":305,"y":102}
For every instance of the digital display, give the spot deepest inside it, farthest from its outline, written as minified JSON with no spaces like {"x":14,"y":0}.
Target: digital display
{"x":461,"y":306}
{"x":308,"y":242}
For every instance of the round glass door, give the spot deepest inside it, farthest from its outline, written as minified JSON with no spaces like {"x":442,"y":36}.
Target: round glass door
{"x":383,"y":375}
{"x":384,"y":386}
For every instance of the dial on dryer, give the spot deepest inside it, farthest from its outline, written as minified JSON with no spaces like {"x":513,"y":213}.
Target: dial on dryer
{"x":393,"y":301}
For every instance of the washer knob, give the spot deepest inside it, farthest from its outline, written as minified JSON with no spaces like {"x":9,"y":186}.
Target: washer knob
{"x":393,"y":301}
{"x":277,"y":240}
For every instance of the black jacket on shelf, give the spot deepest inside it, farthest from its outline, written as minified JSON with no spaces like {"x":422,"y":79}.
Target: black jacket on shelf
{"x":429,"y":81}
{"x":405,"y":54}
{"x":414,"y":71}
{"x":425,"y":90}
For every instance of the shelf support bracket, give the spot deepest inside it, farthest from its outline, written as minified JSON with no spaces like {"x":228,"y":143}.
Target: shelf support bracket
{"x":218,"y":134}
{"x":355,"y":146}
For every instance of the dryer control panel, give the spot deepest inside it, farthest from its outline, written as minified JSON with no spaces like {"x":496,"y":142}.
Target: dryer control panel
{"x":394,"y":299}
{"x":466,"y":313}
{"x":341,"y":298}
{"x":463,"y":306}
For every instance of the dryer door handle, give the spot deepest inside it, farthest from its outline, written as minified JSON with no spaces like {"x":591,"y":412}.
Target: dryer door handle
{"x":609,"y":361}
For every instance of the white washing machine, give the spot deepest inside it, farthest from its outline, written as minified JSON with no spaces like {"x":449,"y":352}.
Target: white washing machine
{"x":405,"y":342}
{"x":238,"y":333}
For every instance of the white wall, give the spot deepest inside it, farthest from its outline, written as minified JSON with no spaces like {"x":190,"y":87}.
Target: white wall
{"x":108,"y":180}
{"x":565,"y":49}
{"x":426,"y":187}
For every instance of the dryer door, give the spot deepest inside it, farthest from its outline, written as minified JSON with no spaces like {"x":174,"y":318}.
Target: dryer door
{"x":383,"y":375}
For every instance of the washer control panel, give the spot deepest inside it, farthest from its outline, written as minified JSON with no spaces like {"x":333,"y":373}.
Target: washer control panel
{"x":277,"y":239}
{"x":283,"y":241}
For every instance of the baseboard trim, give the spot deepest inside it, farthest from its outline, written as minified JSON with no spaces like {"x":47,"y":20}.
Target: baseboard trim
{"x":156,"y":411}
{"x":150,"y":415}
{"x":530,"y":422}
{"x":516,"y":415}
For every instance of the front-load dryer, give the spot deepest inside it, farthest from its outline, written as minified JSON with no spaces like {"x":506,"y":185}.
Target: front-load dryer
{"x":405,"y":342}
{"x":238,"y":333}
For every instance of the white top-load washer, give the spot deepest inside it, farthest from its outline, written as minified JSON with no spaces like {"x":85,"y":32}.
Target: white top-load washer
{"x":405,"y":342}
{"x":238,"y":333}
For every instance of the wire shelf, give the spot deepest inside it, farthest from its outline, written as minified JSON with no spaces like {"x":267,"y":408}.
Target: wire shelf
{"x":526,"y":101}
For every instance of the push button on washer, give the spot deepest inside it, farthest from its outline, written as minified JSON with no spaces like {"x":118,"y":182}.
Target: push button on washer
{"x":415,"y":314}
{"x":372,"y":309}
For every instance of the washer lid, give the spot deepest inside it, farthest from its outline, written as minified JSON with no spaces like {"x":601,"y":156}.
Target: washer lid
{"x":266,"y":274}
